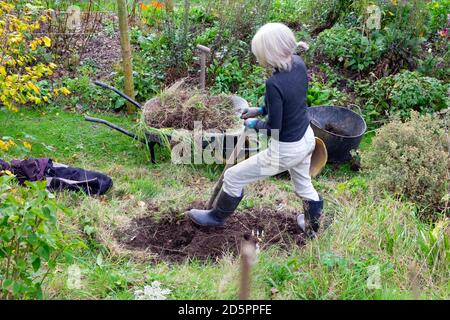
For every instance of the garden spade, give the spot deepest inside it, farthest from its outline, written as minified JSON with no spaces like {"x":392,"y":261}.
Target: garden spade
{"x":230,"y":162}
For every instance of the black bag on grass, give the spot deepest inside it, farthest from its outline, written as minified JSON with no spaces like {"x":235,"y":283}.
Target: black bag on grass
{"x":77,"y":179}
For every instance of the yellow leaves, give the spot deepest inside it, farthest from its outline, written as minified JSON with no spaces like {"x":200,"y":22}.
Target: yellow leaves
{"x":34,"y":44}
{"x":33,"y":87}
{"x":62,"y":90}
{"x":65,"y":91}
{"x":7,"y":172}
{"x":6,"y":145}
{"x":27,"y":145}
{"x":20,"y":68}
{"x":47,"y":41}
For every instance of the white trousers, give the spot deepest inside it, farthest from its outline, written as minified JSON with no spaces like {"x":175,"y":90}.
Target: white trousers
{"x":278,"y":157}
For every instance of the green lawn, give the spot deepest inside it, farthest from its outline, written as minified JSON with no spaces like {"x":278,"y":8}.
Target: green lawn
{"x":366,"y":233}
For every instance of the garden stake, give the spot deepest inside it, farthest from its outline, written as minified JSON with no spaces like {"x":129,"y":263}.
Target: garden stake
{"x":203,"y":52}
{"x":230,"y":162}
{"x":248,"y":254}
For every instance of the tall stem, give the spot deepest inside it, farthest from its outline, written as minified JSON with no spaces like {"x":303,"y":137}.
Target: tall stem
{"x":126,"y":52}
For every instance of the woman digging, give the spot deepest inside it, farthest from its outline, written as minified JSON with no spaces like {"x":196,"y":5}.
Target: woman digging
{"x":292,"y":139}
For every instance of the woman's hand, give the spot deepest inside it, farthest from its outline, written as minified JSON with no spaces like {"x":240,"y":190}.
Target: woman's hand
{"x":303,"y":45}
{"x":250,"y":123}
{"x":251,"y":112}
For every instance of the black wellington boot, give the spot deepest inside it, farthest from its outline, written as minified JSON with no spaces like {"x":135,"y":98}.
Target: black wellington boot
{"x":216,"y":217}
{"x":309,"y":222}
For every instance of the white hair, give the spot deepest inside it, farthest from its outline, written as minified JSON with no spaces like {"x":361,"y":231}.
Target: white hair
{"x":273,"y":45}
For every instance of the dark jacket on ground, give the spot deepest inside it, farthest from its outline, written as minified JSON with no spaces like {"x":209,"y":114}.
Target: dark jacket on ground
{"x":286,"y":103}
{"x":59,"y":177}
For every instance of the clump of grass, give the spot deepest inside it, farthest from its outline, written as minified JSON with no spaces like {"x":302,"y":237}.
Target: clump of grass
{"x":146,"y":187}
{"x":373,"y":250}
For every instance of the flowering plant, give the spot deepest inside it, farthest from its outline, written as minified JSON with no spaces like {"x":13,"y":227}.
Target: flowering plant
{"x":152,"y":292}
{"x":152,"y":12}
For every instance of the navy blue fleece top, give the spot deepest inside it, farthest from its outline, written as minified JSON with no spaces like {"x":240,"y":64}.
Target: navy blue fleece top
{"x":285,"y":103}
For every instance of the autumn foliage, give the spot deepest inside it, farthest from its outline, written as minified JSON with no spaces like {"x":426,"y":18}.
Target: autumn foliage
{"x":21,"y":68}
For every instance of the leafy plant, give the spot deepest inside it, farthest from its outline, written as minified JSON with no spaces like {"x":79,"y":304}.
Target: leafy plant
{"x":411,"y":160}
{"x":22,"y":146}
{"x":402,"y":93}
{"x":234,"y":76}
{"x":208,"y":36}
{"x":349,"y":48}
{"x":320,"y":94}
{"x":87,"y":95}
{"x":287,"y":11}
{"x":30,"y":241}
{"x":439,"y":15}
{"x":322,"y":15}
{"x":21,"y":65}
{"x":436,"y":65}
{"x":153,"y":13}
{"x":403,"y":29}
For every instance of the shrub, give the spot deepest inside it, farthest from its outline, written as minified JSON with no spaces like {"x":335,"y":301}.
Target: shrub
{"x":435,"y":62}
{"x":436,"y":65}
{"x":237,"y":21}
{"x":287,"y":11}
{"x":321,"y":15}
{"x":21,"y":63}
{"x":87,"y":94}
{"x":403,"y":28}
{"x":411,"y":159}
{"x":439,"y":11}
{"x":349,"y":42}
{"x":349,"y":48}
{"x":241,"y":77}
{"x":400,"y":94}
{"x":30,"y":241}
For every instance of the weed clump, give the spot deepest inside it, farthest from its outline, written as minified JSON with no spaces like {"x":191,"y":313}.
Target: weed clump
{"x":412,"y":159}
{"x":178,"y":107}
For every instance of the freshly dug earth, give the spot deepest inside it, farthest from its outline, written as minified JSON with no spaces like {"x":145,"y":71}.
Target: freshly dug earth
{"x":333,"y":129}
{"x":178,"y":239}
{"x":178,"y":107}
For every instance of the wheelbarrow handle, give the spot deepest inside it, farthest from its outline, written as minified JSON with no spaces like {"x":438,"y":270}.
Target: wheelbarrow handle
{"x":120,"y":93}
{"x":113,"y":126}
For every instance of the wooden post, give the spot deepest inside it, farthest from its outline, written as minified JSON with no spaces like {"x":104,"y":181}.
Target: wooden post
{"x":127,"y":64}
{"x":203,"y":52}
{"x":248,"y":255}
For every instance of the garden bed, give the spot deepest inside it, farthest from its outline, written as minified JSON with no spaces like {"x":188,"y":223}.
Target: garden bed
{"x":175,"y":239}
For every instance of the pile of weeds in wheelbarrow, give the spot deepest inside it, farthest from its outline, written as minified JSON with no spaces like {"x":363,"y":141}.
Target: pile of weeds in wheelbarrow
{"x":179,"y":106}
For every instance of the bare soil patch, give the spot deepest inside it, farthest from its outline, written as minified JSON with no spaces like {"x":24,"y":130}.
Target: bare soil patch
{"x":175,"y":239}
